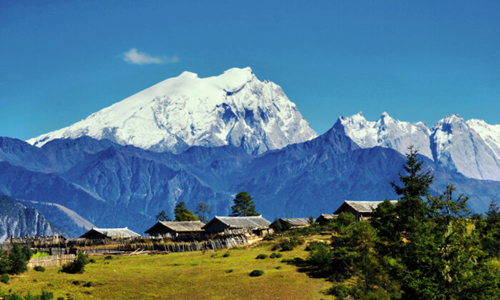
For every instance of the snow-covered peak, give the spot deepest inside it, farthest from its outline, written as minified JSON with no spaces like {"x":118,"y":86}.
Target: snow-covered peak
{"x":234,"y":108}
{"x":462,"y":146}
{"x":386,"y":132}
{"x":489,"y":133}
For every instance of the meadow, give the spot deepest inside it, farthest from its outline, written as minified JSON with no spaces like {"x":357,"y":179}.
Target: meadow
{"x":187,"y":275}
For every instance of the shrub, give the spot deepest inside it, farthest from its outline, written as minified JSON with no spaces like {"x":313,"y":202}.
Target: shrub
{"x":276,"y":247}
{"x":108,"y":257}
{"x":289,"y":244}
{"x":77,"y":266}
{"x":88,"y":284}
{"x":4,"y":278}
{"x":314,"y":245}
{"x":92,"y":261}
{"x":229,"y":271}
{"x":226,"y":255}
{"x":298,"y":260}
{"x":261,"y":256}
{"x":339,"y":291}
{"x":39,"y":269}
{"x":256,"y":273}
{"x":276,"y":255}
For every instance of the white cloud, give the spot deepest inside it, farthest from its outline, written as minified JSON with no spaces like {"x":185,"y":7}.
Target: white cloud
{"x":140,"y":58}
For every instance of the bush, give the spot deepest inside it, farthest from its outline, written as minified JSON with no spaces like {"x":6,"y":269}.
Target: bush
{"x":276,"y":255}
{"x":39,"y":269}
{"x":339,"y":291}
{"x":314,"y":245}
{"x":4,"y":278}
{"x":77,"y":266}
{"x":289,"y":244}
{"x":226,"y":255}
{"x":256,"y":273}
{"x":92,"y":261}
{"x":88,"y":284}
{"x":261,"y":256}
{"x":108,"y":257}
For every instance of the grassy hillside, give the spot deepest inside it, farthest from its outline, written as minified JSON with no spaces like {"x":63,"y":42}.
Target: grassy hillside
{"x":188,"y":275}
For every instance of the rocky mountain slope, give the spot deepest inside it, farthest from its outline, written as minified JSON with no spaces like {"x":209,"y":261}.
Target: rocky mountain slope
{"x":234,"y":108}
{"x":127,"y":186}
{"x":19,"y":221}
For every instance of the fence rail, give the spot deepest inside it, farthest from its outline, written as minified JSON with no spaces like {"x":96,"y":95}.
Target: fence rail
{"x":220,"y":243}
{"x":51,"y":261}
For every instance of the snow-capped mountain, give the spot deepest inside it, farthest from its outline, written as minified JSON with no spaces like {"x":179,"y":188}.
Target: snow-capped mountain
{"x":471,"y":148}
{"x":386,"y":132}
{"x":234,"y":108}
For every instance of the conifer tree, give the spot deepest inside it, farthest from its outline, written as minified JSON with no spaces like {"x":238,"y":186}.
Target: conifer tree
{"x":184,"y":214}
{"x":17,"y":260}
{"x":243,"y":205}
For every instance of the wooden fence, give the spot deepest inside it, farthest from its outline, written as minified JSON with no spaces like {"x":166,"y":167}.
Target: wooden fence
{"x":51,"y":261}
{"x":220,"y":243}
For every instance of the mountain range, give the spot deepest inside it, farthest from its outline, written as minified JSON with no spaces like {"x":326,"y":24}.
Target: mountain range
{"x":471,"y":147}
{"x":190,"y":139}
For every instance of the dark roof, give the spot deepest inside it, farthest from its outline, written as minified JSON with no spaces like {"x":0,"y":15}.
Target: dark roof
{"x":325,"y":216}
{"x":297,"y":221}
{"x":111,"y":232}
{"x":361,"y":206}
{"x":179,"y":226}
{"x":241,"y":222}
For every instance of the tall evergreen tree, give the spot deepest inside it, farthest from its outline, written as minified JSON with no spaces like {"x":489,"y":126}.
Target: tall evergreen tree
{"x":411,"y":208}
{"x":17,"y":260}
{"x":490,"y":230}
{"x":243,"y":205}
{"x":183,"y":214}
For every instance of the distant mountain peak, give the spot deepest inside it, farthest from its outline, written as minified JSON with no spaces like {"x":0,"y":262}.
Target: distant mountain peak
{"x":469,"y":147}
{"x":234,"y":108}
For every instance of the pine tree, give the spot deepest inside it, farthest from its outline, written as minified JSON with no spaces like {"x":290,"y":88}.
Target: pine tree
{"x":17,"y":260}
{"x":243,"y":205}
{"x":184,"y":214}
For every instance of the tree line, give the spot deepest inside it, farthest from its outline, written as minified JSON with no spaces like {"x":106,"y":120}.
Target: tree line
{"x":243,"y":206}
{"x":424,"y":247}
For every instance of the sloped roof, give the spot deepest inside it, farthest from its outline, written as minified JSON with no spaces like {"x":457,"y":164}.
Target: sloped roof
{"x":362,"y":206}
{"x":297,"y":221}
{"x":241,"y":222}
{"x":110,"y":232}
{"x":179,"y":226}
{"x":326,"y":216}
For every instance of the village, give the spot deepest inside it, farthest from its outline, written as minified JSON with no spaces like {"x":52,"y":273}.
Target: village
{"x":173,"y":236}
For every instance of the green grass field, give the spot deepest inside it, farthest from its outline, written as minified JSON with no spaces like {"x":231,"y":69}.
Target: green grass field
{"x":188,"y":275}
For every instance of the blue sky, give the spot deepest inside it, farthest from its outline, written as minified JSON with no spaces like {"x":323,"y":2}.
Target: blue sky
{"x":417,"y":60}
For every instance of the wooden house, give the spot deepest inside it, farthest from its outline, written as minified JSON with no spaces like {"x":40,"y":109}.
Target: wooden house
{"x":361,"y":209}
{"x":109,"y":233}
{"x":294,"y":222}
{"x":175,"y":229}
{"x":252,"y":224}
{"x":324,"y":219}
